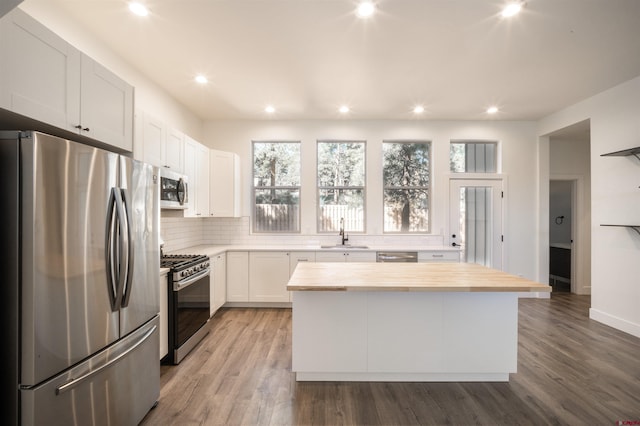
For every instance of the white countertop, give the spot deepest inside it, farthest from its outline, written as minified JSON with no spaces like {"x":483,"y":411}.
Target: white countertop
{"x":213,"y":250}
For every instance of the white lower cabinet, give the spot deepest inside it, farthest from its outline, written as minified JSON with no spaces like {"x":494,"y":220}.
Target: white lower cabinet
{"x":218,"y":293}
{"x":296,"y":257}
{"x":345,"y":256}
{"x":164,"y":315}
{"x":268,"y":276}
{"x":237,"y":276}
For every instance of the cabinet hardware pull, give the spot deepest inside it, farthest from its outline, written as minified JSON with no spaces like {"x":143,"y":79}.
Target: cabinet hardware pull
{"x":77,"y":127}
{"x":86,"y":129}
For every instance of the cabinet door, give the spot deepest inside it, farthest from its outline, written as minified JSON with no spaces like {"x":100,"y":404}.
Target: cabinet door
{"x":225,"y":175}
{"x":202,"y":177}
{"x":173,"y":151}
{"x":220,"y":281}
{"x":106,"y":106}
{"x":237,"y":276}
{"x":268,"y":276}
{"x":39,"y":72}
{"x":296,"y":257}
{"x":300,"y":256}
{"x":190,"y":169}
{"x":360,"y":256}
{"x":153,"y":137}
{"x":330,"y":256}
{"x":164,"y":316}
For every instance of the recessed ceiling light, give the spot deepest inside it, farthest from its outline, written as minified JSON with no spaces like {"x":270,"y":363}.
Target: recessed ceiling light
{"x":492,"y":110}
{"x":365,"y":9}
{"x":344,"y":109}
{"x":201,"y":79}
{"x":418,"y":109}
{"x":511,"y":9}
{"x":269,"y":109}
{"x":138,"y":8}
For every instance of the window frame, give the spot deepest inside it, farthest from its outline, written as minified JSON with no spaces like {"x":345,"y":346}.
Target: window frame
{"x":428,"y":187}
{"x":254,"y":187}
{"x":363,"y":187}
{"x":496,"y":159}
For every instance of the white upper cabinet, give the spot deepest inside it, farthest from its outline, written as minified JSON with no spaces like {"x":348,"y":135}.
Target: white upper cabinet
{"x":196,"y":167}
{"x":45,"y":78}
{"x":224,"y":200}
{"x":106,"y":105}
{"x":202,"y":177}
{"x":173,"y":151}
{"x":153,"y":139}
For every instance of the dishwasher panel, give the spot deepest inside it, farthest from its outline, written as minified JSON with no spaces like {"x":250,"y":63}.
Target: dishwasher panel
{"x":397,"y":256}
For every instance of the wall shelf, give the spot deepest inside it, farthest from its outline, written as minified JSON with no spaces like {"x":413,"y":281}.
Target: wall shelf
{"x":634,"y":227}
{"x":625,"y":152}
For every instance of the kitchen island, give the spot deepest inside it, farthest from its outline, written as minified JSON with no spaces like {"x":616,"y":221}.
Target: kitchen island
{"x":405,"y":321}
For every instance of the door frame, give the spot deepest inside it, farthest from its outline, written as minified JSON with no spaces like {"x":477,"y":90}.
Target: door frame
{"x":577,"y":236}
{"x":486,"y":177}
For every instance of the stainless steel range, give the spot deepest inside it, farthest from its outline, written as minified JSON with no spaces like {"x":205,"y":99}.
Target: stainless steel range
{"x":189,"y":302}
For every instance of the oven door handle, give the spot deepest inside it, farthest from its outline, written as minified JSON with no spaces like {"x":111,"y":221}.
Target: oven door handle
{"x":192,"y":279}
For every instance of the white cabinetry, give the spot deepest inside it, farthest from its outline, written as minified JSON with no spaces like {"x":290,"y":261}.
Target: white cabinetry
{"x":153,"y":138}
{"x":224,"y":171}
{"x":196,"y":167}
{"x":106,"y":106}
{"x":296,"y":257}
{"x":439,"y":256}
{"x":345,"y":256}
{"x":173,"y":151}
{"x":164,"y":315}
{"x":45,"y":78}
{"x":238,"y":276}
{"x":268,"y":276}
{"x":218,"y":291}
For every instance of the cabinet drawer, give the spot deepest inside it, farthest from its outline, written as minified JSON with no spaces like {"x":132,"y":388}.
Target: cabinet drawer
{"x":438,"y":256}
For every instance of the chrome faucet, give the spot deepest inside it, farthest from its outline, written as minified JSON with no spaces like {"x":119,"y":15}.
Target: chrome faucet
{"x":344,"y":236}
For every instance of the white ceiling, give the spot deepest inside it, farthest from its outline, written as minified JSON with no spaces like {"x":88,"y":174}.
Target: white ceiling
{"x":307,"y":57}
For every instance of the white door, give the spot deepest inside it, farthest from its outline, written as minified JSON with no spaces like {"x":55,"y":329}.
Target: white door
{"x":475,"y":223}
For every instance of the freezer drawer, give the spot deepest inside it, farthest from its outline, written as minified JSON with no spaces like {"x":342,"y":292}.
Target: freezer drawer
{"x":117,"y":386}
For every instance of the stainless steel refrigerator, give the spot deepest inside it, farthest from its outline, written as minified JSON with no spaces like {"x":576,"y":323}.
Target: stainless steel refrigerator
{"x":80,"y":230}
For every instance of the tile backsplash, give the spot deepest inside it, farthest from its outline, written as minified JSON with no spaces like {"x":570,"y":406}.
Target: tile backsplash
{"x":179,"y":233}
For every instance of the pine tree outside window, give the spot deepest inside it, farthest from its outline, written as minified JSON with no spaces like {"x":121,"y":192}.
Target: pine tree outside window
{"x":341,"y":186}
{"x":406,"y":182}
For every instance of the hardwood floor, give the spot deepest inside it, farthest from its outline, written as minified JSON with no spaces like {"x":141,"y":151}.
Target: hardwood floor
{"x":571,"y":370}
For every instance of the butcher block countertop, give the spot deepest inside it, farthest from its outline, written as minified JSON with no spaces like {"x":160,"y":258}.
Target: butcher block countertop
{"x":434,"y":277}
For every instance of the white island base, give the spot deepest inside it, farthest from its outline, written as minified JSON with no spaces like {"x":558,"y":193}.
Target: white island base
{"x":404,"y":336}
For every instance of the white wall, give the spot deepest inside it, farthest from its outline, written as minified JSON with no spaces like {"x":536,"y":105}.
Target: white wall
{"x":148,"y":96}
{"x":517,"y":142}
{"x":615,"y":199}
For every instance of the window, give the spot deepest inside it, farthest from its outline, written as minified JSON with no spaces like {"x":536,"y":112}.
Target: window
{"x":276,"y":186}
{"x":473,"y":157}
{"x":341,"y":185}
{"x":406,"y":177}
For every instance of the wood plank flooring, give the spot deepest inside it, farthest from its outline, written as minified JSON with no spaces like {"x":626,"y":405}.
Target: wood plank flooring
{"x":571,"y":371}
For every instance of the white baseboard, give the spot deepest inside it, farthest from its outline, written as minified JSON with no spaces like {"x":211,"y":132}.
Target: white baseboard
{"x":615,"y":322}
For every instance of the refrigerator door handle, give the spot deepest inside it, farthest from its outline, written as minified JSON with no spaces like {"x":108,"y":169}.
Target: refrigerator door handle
{"x":122,"y":245}
{"x":75,"y":382}
{"x":112,"y":251}
{"x":128,"y":246}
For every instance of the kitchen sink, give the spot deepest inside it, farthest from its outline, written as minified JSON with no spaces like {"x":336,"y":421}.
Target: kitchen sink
{"x":346,"y":246}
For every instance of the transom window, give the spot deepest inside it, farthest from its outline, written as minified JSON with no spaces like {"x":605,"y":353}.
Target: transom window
{"x":276,"y":186}
{"x":473,"y":157}
{"x":406,"y":179}
{"x":341,"y":186}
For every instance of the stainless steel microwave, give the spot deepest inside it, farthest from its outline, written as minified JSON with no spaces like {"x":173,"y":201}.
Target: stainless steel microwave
{"x":174,"y":190}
